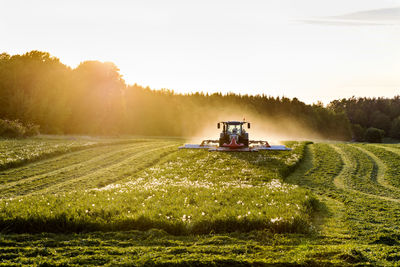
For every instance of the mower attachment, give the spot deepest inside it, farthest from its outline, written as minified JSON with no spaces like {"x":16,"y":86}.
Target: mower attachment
{"x":234,"y":138}
{"x":257,"y":148}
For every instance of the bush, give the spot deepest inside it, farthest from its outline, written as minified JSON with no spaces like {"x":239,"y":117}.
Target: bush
{"x":374,"y":135}
{"x":15,"y":129}
{"x":358,"y":132}
{"x":395,"y":128}
{"x":31,"y":130}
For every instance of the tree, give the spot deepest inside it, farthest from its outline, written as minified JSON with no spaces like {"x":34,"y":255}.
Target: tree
{"x":374,"y":135}
{"x":395,"y":128}
{"x":380,"y":120}
{"x":93,"y":99}
{"x":358,"y":132}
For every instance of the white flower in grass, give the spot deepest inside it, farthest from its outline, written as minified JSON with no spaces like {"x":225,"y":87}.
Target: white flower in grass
{"x":184,"y":217}
{"x":86,"y":211}
{"x":203,"y":213}
{"x":93,"y":205}
{"x":277,"y":219}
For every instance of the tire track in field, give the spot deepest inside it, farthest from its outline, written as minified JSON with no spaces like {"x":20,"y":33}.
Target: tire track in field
{"x":72,"y":183}
{"x":334,"y":224}
{"x":57,"y":165}
{"x":56,"y":153}
{"x":96,"y":164}
{"x":62,"y":168}
{"x":87,"y":166}
{"x":395,"y":150}
{"x":390,"y":156}
{"x":338,"y":180}
{"x":297,"y":176}
{"x":348,"y":168}
{"x":380,"y":177}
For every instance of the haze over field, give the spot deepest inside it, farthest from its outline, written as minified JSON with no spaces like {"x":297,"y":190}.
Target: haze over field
{"x":313,"y":50}
{"x":110,"y":153}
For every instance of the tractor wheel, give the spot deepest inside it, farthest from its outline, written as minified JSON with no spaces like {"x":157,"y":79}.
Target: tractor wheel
{"x":246,"y":142}
{"x":221,"y":142}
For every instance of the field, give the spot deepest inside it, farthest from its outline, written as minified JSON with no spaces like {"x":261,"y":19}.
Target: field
{"x":141,"y":201}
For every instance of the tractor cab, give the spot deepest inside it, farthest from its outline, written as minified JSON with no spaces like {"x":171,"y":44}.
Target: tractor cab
{"x":233,"y":130}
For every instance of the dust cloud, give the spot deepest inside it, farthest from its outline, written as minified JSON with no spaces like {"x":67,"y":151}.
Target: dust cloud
{"x":273,"y":129}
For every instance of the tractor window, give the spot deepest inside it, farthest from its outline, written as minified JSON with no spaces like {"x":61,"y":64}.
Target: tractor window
{"x":237,"y":127}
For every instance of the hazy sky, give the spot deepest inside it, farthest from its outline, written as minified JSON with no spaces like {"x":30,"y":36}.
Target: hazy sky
{"x":313,"y":50}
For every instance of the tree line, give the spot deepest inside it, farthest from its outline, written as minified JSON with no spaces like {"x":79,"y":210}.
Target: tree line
{"x":364,"y":113}
{"x":36,"y":88}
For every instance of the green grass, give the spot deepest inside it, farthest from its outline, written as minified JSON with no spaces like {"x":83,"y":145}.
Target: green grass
{"x":187,"y":192}
{"x":17,"y":152}
{"x":143,"y":202}
{"x":364,"y":175}
{"x":84,"y":169}
{"x":155,"y":247}
{"x":391,"y":158}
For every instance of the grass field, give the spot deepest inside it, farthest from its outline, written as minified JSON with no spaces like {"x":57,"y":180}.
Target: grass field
{"x":83,"y":201}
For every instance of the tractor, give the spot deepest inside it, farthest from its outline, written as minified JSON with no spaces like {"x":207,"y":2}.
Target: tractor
{"x":234,"y":138}
{"x":233,"y":130}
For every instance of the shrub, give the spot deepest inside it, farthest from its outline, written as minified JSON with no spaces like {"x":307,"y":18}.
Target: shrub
{"x":380,"y":120}
{"x":395,"y":128}
{"x":15,"y":129}
{"x":374,"y":135}
{"x":31,"y":130}
{"x":11,"y":129}
{"x":358,"y":132}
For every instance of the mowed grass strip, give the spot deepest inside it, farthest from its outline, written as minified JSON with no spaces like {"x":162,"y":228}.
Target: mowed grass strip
{"x":155,"y":247}
{"x":65,"y":163}
{"x":358,"y":230}
{"x":233,"y":192}
{"x":391,"y":160}
{"x":368,"y":218}
{"x":142,"y":158}
{"x":96,"y":162}
{"x":362,"y":174}
{"x":17,"y":152}
{"x":324,"y":165}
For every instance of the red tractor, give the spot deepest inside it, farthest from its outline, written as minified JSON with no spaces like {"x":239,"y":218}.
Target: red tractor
{"x":234,"y":138}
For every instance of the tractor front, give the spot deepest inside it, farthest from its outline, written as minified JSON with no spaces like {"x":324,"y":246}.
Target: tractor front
{"x":233,"y":130}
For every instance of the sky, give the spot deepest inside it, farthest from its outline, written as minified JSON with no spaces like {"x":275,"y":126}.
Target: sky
{"x":315,"y":50}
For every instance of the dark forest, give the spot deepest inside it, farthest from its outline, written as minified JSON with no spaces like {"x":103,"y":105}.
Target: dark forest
{"x":93,"y":99}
